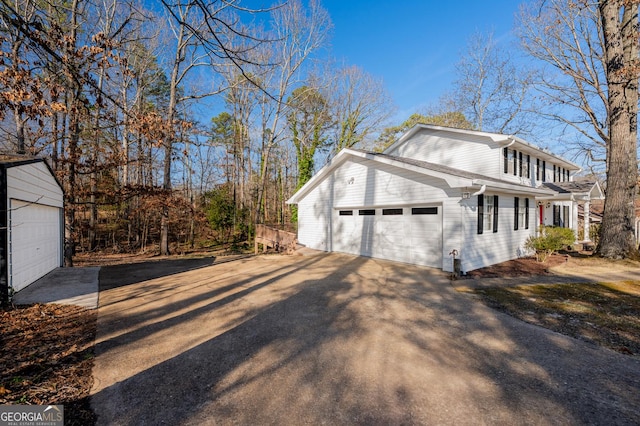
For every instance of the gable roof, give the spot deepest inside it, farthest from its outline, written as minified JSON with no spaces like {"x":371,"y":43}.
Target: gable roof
{"x":455,"y":178}
{"x":497,"y":138}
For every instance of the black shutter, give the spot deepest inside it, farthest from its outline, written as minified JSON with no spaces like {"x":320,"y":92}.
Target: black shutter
{"x":495,"y":213}
{"x":554,"y":173}
{"x":526,"y":213}
{"x":516,"y":205}
{"x":520,"y":165}
{"x":544,"y":171}
{"x":528,"y":166}
{"x":515,"y":162}
{"x":538,"y":169}
{"x":480,"y":212}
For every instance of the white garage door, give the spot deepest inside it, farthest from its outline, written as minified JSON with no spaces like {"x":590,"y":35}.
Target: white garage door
{"x":409,"y":234}
{"x":34,"y":242}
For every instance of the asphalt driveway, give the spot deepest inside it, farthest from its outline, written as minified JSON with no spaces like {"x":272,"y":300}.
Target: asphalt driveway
{"x":335,"y":339}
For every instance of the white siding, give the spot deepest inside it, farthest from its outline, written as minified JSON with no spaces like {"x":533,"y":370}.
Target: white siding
{"x":314,"y":217}
{"x":360,"y":183}
{"x":472,"y":153}
{"x":33,"y":183}
{"x":488,"y":248}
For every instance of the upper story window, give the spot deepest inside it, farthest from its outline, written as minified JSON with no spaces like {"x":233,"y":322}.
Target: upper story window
{"x":525,"y":165}
{"x":516,"y":163}
{"x":510,"y":160}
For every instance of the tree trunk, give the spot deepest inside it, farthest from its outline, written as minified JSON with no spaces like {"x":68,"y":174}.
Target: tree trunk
{"x":621,"y":55}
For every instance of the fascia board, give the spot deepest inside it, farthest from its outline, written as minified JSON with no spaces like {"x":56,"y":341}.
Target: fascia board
{"x":544,"y":154}
{"x":515,"y":189}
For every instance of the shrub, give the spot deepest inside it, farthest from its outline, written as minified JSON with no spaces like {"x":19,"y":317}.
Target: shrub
{"x":550,"y":240}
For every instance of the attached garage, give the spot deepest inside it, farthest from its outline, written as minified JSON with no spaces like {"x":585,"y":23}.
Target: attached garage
{"x":31,"y":234}
{"x":404,"y":234}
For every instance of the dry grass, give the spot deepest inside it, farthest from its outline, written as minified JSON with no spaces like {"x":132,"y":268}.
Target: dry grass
{"x":607,"y":314}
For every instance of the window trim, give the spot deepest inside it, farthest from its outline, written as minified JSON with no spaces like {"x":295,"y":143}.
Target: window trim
{"x":483,"y":210}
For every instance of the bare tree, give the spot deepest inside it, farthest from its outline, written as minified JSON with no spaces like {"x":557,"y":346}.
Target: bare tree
{"x":591,"y":85}
{"x":360,"y":106}
{"x":490,"y":89}
{"x":622,"y":65}
{"x":299,"y":32}
{"x":566,"y":38}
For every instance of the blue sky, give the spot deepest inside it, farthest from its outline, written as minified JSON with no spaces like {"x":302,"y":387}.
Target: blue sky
{"x":413,"y":45}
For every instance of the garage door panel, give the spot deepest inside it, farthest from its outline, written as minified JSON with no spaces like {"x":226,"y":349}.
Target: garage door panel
{"x":389,"y":240}
{"x":34,"y":242}
{"x":426,"y":239}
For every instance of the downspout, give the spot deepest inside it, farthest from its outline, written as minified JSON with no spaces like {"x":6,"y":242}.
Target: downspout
{"x":481,"y":191}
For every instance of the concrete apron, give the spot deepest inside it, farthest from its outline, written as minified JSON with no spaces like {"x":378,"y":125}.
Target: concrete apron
{"x":336,"y":339}
{"x":66,"y":286}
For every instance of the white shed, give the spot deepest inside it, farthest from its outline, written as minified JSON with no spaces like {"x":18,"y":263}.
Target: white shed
{"x":31,"y":222}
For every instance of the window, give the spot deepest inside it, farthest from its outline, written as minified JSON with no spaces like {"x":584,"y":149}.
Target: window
{"x":568,"y":176}
{"x":505,"y":157}
{"x":561,"y":216}
{"x":391,"y":212}
{"x":525,"y":165}
{"x":424,"y":210}
{"x":487,"y":213}
{"x":510,"y":160}
{"x":520,"y":213}
{"x":368,"y":212}
{"x":345,"y":213}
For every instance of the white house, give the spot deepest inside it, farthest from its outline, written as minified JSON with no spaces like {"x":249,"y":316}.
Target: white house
{"x":437,"y":190}
{"x":31,"y":222}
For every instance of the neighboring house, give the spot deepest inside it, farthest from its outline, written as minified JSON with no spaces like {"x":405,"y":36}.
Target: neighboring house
{"x":31,"y":222}
{"x":437,"y":190}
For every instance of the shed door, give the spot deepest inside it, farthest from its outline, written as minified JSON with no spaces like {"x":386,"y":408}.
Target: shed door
{"x":34,"y":242}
